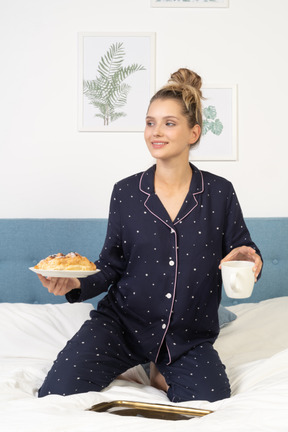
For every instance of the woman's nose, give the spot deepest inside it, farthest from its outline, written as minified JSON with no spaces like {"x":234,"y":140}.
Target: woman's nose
{"x":157,"y":130}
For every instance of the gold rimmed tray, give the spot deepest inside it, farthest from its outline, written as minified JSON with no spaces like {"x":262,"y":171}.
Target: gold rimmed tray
{"x":150,"y":410}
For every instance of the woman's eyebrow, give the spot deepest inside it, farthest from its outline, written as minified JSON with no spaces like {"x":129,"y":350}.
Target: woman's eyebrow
{"x":165,"y":117}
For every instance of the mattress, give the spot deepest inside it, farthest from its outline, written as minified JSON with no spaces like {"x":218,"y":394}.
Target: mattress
{"x":254,"y":348}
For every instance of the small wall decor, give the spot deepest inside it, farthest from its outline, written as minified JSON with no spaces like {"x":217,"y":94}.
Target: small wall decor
{"x":190,"y":3}
{"x":116,"y":80}
{"x":219,"y":129}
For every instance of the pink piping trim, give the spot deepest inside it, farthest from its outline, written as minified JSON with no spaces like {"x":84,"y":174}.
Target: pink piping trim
{"x":176,"y":264}
{"x":196,"y":193}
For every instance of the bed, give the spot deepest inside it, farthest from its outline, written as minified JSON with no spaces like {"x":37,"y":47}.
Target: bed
{"x":253,"y":341}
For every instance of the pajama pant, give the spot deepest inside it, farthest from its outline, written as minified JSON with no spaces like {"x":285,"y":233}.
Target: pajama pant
{"x":99,"y":352}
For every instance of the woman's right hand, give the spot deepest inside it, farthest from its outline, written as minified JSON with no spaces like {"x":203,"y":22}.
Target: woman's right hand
{"x":59,"y":286}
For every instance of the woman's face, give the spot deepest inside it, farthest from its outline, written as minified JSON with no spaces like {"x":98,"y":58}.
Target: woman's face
{"x":167,"y":133}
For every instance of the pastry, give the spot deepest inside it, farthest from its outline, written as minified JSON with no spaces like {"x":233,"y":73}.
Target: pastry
{"x":71,"y":261}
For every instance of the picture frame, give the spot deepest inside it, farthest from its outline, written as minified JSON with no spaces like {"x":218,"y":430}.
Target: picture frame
{"x":190,"y":3}
{"x":116,"y":80}
{"x":219,"y":130}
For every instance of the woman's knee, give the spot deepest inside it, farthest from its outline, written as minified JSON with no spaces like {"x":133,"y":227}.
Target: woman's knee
{"x":73,"y":385}
{"x":178,"y":393}
{"x":197,"y":375}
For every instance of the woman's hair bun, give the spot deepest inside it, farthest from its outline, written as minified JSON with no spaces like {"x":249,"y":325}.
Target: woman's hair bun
{"x":186,"y":77}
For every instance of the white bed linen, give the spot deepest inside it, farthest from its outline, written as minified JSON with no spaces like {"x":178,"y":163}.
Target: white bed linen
{"x":254,"y":348}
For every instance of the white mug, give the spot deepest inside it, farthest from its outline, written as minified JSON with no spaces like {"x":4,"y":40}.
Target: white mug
{"x":238,"y":278}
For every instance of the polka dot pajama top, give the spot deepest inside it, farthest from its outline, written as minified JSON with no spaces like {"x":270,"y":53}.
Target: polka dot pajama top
{"x":165,"y":284}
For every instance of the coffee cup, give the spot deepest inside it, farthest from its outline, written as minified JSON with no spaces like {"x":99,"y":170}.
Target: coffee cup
{"x":238,"y":278}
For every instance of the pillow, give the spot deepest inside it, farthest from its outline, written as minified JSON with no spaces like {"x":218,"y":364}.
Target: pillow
{"x":39,"y":331}
{"x":225,"y":316}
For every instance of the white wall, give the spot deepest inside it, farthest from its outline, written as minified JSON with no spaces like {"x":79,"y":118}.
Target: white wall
{"x":50,"y":169}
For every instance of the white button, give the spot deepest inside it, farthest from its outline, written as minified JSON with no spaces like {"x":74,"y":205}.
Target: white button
{"x":163,"y":326}
{"x":171,"y":263}
{"x":168,"y":295}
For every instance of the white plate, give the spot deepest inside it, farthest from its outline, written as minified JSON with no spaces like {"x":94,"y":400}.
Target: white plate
{"x":64,"y":273}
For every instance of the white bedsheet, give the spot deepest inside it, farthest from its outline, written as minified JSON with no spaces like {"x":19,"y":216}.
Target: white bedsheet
{"x":254,"y":348}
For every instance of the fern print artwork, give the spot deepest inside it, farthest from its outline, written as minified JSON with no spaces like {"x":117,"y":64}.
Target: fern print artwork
{"x":108,"y":92}
{"x":116,"y":80}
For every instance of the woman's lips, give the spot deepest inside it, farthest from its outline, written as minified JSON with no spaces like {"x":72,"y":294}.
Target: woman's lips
{"x":158,"y":144}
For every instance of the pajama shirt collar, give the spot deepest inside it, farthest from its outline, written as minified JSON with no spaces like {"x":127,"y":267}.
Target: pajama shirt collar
{"x":154,"y":205}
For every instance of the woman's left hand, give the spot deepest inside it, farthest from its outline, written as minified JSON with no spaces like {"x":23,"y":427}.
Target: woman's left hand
{"x":245,"y":253}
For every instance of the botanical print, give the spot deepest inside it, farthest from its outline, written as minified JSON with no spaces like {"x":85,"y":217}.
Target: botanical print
{"x":190,"y":3}
{"x":210,"y":122}
{"x":218,"y":140}
{"x":108,"y":91}
{"x":116,"y":80}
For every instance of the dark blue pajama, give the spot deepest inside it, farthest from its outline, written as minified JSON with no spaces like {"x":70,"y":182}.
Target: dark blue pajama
{"x":99,"y":352}
{"x":164,"y":288}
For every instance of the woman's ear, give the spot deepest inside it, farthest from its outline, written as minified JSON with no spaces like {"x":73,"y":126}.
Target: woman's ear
{"x":195,"y":134}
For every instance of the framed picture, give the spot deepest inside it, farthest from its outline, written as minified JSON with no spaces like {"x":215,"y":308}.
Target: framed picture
{"x":219,"y":130}
{"x":116,"y":80}
{"x":190,"y":3}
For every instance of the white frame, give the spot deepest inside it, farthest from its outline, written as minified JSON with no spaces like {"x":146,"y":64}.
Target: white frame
{"x":139,"y":46}
{"x":223,"y":147}
{"x":190,"y":4}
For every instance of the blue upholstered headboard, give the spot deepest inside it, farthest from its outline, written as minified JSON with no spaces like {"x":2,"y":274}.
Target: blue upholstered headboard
{"x":25,"y":241}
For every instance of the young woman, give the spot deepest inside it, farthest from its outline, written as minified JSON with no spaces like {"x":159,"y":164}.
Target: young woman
{"x":169,"y":229}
